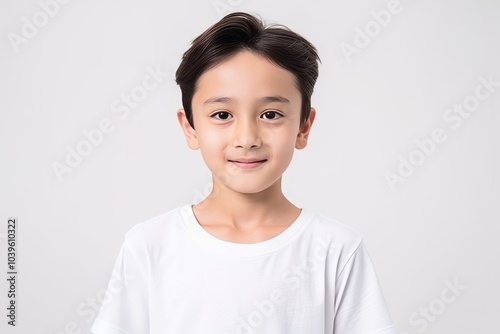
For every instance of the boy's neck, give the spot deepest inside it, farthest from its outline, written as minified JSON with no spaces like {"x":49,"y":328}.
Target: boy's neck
{"x":245,"y":212}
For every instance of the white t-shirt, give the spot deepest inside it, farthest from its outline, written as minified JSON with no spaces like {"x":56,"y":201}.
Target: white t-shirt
{"x":173,"y":277}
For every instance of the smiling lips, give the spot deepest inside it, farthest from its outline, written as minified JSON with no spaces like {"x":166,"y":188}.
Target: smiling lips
{"x":248,"y":163}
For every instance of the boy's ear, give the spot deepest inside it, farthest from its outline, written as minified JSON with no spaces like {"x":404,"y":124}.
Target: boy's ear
{"x":303,"y":134}
{"x":189,"y":132}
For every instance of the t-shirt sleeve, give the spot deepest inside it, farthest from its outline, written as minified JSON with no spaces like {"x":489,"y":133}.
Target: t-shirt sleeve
{"x":360,"y":307}
{"x":124,"y":309}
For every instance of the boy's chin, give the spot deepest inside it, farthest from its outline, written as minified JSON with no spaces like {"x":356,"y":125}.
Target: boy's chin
{"x":247,"y":184}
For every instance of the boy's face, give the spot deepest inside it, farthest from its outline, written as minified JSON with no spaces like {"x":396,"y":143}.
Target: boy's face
{"x":246,"y":108}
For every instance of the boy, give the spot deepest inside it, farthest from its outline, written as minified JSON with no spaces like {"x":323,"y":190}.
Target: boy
{"x":245,"y":259}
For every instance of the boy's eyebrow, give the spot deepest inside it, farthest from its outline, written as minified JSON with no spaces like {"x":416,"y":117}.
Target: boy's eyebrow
{"x":215,"y":99}
{"x":265,"y":99}
{"x":275,"y":98}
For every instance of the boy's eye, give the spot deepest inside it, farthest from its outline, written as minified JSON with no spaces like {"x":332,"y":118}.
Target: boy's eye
{"x":272,"y":114}
{"x":223,"y":115}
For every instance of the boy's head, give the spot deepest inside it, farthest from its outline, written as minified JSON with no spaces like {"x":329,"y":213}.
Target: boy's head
{"x":246,"y":92}
{"x":241,"y":31}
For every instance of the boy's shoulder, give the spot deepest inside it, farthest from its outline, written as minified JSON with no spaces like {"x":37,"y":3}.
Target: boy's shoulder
{"x":332,"y":225}
{"x":334,"y":232}
{"x":169,"y":226}
{"x":154,"y":228}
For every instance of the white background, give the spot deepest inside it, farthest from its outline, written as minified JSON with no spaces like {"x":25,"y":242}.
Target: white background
{"x":441,"y":224}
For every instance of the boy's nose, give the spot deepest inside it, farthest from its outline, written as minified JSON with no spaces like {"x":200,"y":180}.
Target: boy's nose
{"x":246,"y":134}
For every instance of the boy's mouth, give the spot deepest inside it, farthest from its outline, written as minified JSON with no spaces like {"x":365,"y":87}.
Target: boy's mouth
{"x":247,"y":163}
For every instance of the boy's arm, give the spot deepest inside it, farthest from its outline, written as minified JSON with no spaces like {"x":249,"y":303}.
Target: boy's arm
{"x":360,"y":306}
{"x":124,"y":309}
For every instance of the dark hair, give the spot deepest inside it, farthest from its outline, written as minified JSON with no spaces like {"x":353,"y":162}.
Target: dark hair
{"x":241,"y":31}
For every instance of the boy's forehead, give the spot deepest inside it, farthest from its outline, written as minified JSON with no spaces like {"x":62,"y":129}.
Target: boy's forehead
{"x":247,"y":74}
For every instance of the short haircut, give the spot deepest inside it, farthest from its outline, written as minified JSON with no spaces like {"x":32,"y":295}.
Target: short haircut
{"x":240,"y":31}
